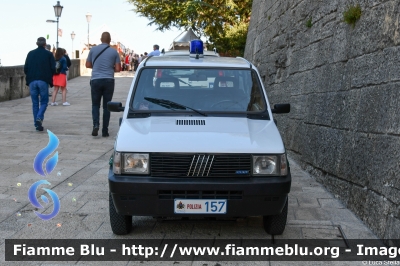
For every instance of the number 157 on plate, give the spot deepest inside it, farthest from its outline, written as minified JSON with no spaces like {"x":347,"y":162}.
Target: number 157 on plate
{"x":200,"y":206}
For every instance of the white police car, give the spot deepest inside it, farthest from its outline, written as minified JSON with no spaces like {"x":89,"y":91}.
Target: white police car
{"x":199,"y":141}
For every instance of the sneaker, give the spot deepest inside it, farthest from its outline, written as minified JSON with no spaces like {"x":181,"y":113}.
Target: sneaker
{"x":39,"y":126}
{"x":66,"y":104}
{"x":105,"y":134}
{"x":54,"y":104}
{"x":95,"y":131}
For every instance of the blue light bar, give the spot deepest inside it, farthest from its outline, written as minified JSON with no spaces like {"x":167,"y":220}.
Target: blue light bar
{"x":196,"y":48}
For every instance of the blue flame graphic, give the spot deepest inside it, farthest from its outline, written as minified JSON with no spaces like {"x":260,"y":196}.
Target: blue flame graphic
{"x":44,"y":153}
{"x":34,"y":201}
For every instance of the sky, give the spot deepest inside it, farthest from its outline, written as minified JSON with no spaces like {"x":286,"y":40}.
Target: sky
{"x":23,"y":21}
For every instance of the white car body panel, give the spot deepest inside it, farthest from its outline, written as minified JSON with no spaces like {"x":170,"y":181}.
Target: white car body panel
{"x":218,"y":135}
{"x":186,"y":53}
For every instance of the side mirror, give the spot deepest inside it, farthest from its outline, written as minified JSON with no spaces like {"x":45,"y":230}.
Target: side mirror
{"x":115,"y":107}
{"x":282,"y":108}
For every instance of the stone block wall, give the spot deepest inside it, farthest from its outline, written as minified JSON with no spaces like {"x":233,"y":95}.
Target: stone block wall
{"x":13,"y":82}
{"x":75,"y":69}
{"x":343,"y":84}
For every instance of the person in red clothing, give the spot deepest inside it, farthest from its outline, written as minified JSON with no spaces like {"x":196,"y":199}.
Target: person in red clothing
{"x":60,"y":79}
{"x":127,"y":65}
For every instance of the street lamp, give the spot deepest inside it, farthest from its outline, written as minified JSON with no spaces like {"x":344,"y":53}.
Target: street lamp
{"x":88,"y":19}
{"x":72,"y":38}
{"x":57,"y":11}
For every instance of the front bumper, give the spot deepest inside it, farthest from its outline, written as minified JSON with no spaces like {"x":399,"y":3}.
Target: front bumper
{"x":154,"y":196}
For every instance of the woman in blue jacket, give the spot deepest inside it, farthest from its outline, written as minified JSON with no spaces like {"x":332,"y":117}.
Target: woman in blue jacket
{"x":60,"y":78}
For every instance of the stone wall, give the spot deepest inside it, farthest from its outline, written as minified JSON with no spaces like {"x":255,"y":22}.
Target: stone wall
{"x":343,"y":84}
{"x":12,"y":80}
{"x":12,"y":83}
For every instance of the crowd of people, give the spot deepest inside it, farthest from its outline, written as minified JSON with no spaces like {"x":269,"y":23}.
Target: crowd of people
{"x":131,"y":61}
{"x":44,"y":69}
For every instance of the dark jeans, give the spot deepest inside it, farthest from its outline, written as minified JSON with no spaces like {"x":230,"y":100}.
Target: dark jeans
{"x":101,"y":88}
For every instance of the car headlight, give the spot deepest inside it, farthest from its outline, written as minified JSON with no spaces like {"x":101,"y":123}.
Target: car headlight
{"x":269,"y":165}
{"x":135,"y":163}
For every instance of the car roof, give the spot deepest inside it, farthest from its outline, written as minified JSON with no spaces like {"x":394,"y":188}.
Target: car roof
{"x":207,"y":61}
{"x":186,"y":53}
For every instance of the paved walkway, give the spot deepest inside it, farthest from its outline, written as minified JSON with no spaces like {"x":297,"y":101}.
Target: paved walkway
{"x":80,"y":180}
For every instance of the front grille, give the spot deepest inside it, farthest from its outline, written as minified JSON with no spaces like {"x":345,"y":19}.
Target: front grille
{"x":200,"y":194}
{"x":200,"y":165}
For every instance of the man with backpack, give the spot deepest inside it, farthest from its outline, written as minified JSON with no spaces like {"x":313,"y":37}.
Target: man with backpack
{"x":104,"y":62}
{"x":39,"y":69}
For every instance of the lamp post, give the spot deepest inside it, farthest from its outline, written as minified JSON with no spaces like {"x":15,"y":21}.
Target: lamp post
{"x":72,"y":38}
{"x":88,"y":19}
{"x":57,"y":11}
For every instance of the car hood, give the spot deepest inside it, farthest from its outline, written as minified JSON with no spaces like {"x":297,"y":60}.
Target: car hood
{"x":199,"y":135}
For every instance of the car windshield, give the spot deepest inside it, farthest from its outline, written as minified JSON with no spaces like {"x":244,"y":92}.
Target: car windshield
{"x":204,"y":90}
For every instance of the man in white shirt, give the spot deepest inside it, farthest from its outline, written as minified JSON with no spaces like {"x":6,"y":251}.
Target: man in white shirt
{"x":156,"y":51}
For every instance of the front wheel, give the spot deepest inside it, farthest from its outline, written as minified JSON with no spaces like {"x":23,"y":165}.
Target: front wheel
{"x":120,"y":224}
{"x":275,"y":224}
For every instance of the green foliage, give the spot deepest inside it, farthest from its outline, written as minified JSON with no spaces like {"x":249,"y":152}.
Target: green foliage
{"x":309,"y":23}
{"x":214,"y":19}
{"x":352,"y":15}
{"x":233,"y":42}
{"x":269,"y":17}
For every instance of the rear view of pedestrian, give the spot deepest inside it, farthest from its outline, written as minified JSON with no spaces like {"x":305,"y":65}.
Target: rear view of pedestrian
{"x":68,"y":66}
{"x":39,"y":69}
{"x":104,"y":63}
{"x":60,"y":78}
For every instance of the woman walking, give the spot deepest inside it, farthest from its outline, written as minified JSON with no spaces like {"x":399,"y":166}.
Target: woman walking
{"x":60,"y":78}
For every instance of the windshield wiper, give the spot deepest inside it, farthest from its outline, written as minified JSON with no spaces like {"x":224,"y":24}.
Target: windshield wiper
{"x":185,"y":82}
{"x":171,"y":105}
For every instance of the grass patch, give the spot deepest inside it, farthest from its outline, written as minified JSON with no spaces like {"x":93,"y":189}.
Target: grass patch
{"x":352,"y":15}
{"x":309,"y":23}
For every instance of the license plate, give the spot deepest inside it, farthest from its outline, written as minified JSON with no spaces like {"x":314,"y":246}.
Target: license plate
{"x":200,"y":206}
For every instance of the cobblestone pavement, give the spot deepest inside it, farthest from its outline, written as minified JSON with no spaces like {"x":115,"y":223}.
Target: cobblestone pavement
{"x":80,"y":180}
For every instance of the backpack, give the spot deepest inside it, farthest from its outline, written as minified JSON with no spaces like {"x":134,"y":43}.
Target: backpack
{"x":58,"y":67}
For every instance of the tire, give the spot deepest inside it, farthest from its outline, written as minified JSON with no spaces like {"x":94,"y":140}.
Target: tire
{"x":120,"y":224}
{"x":275,"y":224}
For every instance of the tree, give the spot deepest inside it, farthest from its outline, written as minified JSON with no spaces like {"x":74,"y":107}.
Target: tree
{"x":223,"y":22}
